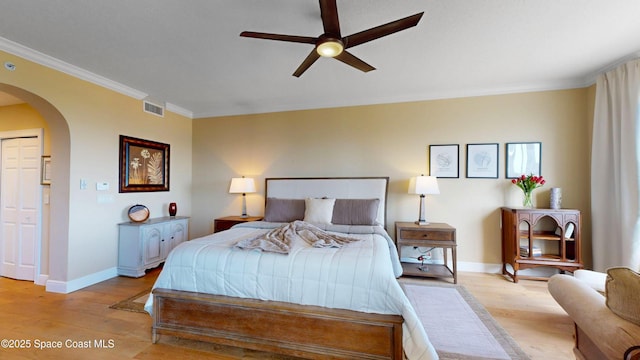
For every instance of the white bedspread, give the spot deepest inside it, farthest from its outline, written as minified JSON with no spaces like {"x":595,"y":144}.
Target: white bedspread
{"x":360,"y":276}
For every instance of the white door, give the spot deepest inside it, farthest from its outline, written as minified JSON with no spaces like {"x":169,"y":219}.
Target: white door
{"x":19,"y":199}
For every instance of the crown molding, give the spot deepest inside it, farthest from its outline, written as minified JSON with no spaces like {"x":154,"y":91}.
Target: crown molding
{"x":56,"y":64}
{"x":77,"y":72}
{"x":592,"y":77}
{"x":179,"y":110}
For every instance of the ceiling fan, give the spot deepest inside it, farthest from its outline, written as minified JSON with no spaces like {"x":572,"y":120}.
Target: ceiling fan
{"x":332,"y":44}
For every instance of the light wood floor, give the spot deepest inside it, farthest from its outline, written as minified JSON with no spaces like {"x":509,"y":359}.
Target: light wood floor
{"x":27,"y":312}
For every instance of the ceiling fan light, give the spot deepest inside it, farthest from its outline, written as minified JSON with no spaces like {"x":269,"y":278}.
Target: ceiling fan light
{"x":330,"y":48}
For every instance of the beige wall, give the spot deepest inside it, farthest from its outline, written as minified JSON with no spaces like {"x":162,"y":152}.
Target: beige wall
{"x":93,"y":117}
{"x":23,"y":116}
{"x":380,"y":140}
{"x":392,"y":140}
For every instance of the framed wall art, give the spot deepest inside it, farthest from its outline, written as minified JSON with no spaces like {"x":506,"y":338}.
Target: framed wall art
{"x":523,"y":158}
{"x":444,"y":161}
{"x":144,"y":165}
{"x":45,"y":170}
{"x":482,"y":161}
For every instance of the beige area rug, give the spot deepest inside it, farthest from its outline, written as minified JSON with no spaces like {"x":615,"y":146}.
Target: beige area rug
{"x":134,"y":303}
{"x":458,"y":326}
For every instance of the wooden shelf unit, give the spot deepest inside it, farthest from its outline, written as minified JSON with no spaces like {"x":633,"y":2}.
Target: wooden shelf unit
{"x":529,"y":228}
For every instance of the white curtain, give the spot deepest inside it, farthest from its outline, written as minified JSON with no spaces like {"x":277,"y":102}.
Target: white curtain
{"x":615,"y":161}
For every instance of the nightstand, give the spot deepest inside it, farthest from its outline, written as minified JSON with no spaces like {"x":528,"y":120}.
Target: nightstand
{"x":227,"y":222}
{"x":433,"y":235}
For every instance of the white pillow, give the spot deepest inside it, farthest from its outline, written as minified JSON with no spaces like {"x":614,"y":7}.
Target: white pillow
{"x":318,"y":210}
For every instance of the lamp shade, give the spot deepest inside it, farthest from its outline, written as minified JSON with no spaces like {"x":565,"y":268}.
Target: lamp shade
{"x":424,"y":185}
{"x":242,"y":185}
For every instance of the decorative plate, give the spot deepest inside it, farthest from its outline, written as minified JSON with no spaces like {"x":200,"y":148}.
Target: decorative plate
{"x":138,"y":213}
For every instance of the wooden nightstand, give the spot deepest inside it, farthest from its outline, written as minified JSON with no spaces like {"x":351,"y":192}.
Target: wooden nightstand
{"x":434,"y":235}
{"x":227,"y":222}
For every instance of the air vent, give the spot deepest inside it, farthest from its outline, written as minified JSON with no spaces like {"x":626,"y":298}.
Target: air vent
{"x":153,"y":108}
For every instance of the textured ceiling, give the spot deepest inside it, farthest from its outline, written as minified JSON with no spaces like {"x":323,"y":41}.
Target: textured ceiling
{"x":190,"y":55}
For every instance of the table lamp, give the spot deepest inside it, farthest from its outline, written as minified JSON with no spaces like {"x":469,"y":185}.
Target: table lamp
{"x":242,"y":186}
{"x":423,"y":185}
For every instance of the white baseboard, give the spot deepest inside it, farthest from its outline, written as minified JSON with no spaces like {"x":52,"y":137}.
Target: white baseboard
{"x":41,"y":279}
{"x":479,"y":267}
{"x":543,"y":271}
{"x":65,"y":287}
{"x":462,"y":266}
{"x":497,"y":269}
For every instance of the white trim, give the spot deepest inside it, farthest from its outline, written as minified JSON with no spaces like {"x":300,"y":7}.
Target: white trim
{"x":266,"y":107}
{"x":594,"y":75}
{"x":544,"y":271}
{"x":53,"y":63}
{"x":179,"y":110}
{"x":56,"y":64}
{"x":479,"y":267}
{"x":69,"y":69}
{"x":65,"y":287}
{"x":41,"y":279}
{"x":491,"y":268}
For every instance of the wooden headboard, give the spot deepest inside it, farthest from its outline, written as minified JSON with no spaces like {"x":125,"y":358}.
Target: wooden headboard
{"x":331,"y":187}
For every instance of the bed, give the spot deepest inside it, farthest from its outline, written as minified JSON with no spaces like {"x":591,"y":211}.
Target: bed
{"x":341,"y":301}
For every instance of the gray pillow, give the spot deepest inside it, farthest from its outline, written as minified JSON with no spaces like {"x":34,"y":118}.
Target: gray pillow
{"x":284,"y":210}
{"x":355,"y":211}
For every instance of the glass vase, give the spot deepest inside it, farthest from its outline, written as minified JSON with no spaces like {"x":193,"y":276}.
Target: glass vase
{"x":527,"y":201}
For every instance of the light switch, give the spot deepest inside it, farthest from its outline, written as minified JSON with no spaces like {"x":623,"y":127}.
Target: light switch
{"x":102,"y":186}
{"x":83,"y":184}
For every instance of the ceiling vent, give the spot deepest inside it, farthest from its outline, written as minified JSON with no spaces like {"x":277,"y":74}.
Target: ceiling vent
{"x":152,"y":108}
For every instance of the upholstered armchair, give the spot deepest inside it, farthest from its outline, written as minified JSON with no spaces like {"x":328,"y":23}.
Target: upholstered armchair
{"x":605,"y":309}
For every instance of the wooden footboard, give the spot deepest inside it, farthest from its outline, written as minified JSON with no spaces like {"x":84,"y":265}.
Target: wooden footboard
{"x":305,"y":331}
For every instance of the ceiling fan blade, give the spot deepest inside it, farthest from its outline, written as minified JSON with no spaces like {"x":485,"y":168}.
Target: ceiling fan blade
{"x":349,"y":59}
{"x":329,"y":14}
{"x":289,"y":38}
{"x":311,"y":58}
{"x":382,"y":30}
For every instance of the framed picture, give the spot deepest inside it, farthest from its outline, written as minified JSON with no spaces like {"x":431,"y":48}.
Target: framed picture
{"x":482,"y":161}
{"x":444,"y":161}
{"x":45,"y":170}
{"x":523,"y":158}
{"x":144,"y":165}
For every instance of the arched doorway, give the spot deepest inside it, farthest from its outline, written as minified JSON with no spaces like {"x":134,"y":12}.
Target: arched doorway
{"x":59,"y":191}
